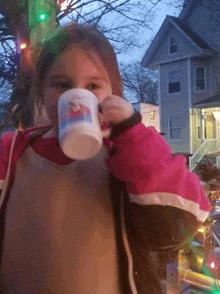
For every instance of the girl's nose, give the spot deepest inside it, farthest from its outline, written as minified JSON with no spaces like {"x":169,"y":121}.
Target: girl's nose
{"x":79,"y":85}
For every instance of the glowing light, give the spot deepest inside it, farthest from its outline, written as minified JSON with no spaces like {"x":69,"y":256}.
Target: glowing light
{"x":64,"y":4}
{"x":216,"y":115}
{"x":23,"y":46}
{"x":201,"y":230}
{"x":200,"y":260}
{"x":212,"y":265}
{"x":20,"y":126}
{"x":43,"y":16}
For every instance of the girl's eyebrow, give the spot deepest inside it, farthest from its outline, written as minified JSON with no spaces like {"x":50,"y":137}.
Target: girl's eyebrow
{"x":97,"y":78}
{"x":58,"y":76}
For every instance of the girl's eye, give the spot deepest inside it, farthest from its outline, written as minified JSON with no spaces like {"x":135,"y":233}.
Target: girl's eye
{"x":93,"y":87}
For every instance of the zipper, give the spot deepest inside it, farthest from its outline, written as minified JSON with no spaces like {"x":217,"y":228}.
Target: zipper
{"x":127,"y":247}
{"x":5,"y":183}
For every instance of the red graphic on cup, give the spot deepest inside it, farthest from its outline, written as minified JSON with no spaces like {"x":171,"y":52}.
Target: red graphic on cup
{"x":76,"y":109}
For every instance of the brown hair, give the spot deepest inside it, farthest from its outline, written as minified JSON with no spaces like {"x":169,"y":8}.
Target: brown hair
{"x":87,"y":38}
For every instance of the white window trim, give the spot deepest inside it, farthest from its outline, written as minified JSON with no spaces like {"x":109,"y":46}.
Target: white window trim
{"x":197,"y":138}
{"x":169,"y":128}
{"x":176,"y":93}
{"x":175,"y":53}
{"x":204,"y":124}
{"x":201,"y":91}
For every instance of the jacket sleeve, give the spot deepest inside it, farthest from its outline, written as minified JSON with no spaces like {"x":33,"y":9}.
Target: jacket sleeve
{"x":6,"y":140}
{"x":167,"y":202}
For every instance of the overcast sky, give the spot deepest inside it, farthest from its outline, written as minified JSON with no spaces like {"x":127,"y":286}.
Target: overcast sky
{"x":161,"y":11}
{"x":160,"y":15}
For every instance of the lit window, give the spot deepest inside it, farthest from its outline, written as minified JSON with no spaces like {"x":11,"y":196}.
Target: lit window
{"x":175,"y":128}
{"x":200,"y":78}
{"x":152,"y":114}
{"x":173,"y":46}
{"x":174,"y":82}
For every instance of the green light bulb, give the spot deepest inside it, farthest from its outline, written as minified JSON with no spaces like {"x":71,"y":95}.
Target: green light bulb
{"x":42,"y":16}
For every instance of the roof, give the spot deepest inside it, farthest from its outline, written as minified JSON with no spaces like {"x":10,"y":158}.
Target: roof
{"x":136,"y":105}
{"x":193,"y":37}
{"x":209,"y":102}
{"x":189,"y":4}
{"x":187,"y":8}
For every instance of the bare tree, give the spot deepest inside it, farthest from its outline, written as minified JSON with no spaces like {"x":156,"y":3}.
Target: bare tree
{"x":140,"y":84}
{"x":121,"y":21}
{"x":8,"y":55}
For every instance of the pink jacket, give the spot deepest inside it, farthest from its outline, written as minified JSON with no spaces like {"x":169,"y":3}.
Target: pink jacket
{"x":142,"y":159}
{"x":164,"y":202}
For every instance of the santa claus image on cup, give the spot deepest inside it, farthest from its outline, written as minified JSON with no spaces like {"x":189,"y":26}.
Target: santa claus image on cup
{"x":76,"y":109}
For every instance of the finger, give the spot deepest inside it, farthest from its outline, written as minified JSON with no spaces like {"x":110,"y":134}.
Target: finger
{"x":111,"y":99}
{"x":112,"y":115}
{"x":109,"y":112}
{"x":114,"y":105}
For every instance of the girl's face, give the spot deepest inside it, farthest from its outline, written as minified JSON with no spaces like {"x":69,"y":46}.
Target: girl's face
{"x":74,"y":68}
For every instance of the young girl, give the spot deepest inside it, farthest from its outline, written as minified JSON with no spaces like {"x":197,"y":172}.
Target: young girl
{"x":88,"y":226}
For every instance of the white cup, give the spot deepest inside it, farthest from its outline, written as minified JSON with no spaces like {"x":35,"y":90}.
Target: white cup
{"x":80,"y":134}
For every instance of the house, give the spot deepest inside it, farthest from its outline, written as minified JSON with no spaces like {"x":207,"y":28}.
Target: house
{"x":149,"y":112}
{"x":186,"y":53}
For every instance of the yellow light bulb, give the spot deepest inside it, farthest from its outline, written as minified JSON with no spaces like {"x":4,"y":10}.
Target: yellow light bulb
{"x":201,"y":260}
{"x":23,"y":46}
{"x":201,"y":230}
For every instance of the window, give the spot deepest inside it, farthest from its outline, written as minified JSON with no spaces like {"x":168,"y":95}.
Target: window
{"x":152,"y":114}
{"x":200,"y":79}
{"x":174,"y":82}
{"x":175,"y":128}
{"x":173,"y":46}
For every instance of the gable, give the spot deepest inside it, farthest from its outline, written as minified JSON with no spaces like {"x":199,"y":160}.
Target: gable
{"x":203,"y":17}
{"x":185,"y":48}
{"x":197,"y":46}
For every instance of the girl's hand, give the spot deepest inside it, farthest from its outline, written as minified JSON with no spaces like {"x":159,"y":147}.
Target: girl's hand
{"x":115,"y":110}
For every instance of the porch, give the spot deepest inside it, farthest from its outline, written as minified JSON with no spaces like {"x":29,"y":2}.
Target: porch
{"x":205,"y":135}
{"x":208,"y":150}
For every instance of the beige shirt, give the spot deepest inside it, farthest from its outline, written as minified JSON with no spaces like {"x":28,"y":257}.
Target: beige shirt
{"x":59,"y":230}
